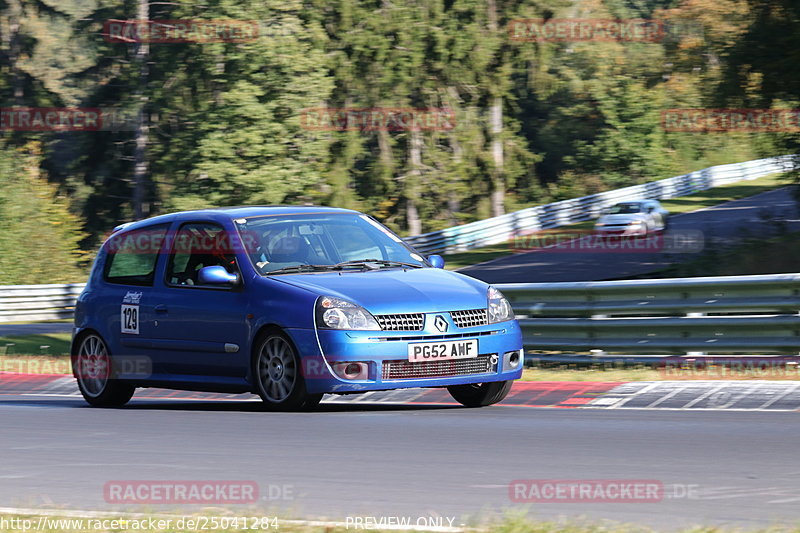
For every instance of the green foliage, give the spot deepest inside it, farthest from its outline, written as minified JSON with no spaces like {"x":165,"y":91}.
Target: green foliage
{"x":39,"y":237}
{"x":49,"y":344}
{"x":246,"y":143}
{"x":225,"y":117}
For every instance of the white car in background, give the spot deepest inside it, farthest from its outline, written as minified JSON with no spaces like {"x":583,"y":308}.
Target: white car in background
{"x":636,"y":218}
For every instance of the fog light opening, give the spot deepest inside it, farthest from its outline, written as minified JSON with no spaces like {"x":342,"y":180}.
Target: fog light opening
{"x":351,"y":371}
{"x":514,"y":358}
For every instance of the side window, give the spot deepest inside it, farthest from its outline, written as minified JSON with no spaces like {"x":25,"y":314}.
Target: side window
{"x":131,"y":256}
{"x":198,"y":245}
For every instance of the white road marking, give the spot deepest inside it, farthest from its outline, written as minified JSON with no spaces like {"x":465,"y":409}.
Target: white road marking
{"x":703,"y":396}
{"x":779,"y":397}
{"x":620,"y":396}
{"x":605,"y":401}
{"x":50,"y":394}
{"x":667,"y":396}
{"x":647,"y":388}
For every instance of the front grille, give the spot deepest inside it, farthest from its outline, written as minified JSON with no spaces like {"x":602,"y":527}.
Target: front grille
{"x":403,"y":369}
{"x":404,"y":322}
{"x":444,"y":337}
{"x":469,"y":318}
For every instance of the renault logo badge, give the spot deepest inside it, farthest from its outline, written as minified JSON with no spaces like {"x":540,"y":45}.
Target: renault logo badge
{"x":440,"y":323}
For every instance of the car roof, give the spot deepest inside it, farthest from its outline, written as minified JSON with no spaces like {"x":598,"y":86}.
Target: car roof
{"x":218,"y":213}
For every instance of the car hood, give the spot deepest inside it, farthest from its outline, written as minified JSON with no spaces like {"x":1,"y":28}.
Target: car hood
{"x":419,"y":290}
{"x":621,"y":218}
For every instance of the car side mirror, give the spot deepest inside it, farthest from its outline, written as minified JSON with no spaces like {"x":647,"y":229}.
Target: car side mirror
{"x":436,"y":261}
{"x":216,"y":275}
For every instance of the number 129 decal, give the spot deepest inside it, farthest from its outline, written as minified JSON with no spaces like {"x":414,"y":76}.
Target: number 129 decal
{"x":130,"y":319}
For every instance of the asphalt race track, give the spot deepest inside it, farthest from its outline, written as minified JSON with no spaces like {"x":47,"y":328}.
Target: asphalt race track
{"x":381,"y":459}
{"x":724,"y":453}
{"x":755,"y":215}
{"x":42,"y":328}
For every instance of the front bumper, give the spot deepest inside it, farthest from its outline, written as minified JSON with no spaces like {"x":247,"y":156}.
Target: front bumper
{"x":621,"y":231}
{"x":386,"y":355}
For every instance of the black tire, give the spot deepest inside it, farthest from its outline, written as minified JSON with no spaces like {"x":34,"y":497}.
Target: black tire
{"x":665,"y":223}
{"x":480,"y":394}
{"x":93,"y":368}
{"x":312,"y":402}
{"x":277,"y":374}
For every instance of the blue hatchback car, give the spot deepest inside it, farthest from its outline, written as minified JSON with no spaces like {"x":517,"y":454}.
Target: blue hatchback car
{"x":289,"y":303}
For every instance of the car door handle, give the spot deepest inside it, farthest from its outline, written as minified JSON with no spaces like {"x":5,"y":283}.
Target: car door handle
{"x":161,"y":308}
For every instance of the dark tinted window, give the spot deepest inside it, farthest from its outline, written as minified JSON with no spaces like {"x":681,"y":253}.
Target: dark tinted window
{"x":198,"y":245}
{"x":132,"y":255}
{"x":625,"y":209}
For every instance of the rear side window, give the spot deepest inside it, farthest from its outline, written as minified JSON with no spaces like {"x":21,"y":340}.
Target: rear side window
{"x":132,"y":256}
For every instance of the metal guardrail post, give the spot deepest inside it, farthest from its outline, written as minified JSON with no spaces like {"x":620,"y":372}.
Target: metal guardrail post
{"x":695,"y":316}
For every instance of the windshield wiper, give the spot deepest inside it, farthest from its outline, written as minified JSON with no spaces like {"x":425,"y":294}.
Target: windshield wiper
{"x":382,"y":262}
{"x":299,"y":268}
{"x":294,"y":269}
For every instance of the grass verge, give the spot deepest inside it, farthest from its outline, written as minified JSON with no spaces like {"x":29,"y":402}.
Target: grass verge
{"x":592,"y":373}
{"x":36,"y":364}
{"x":35,"y":354}
{"x":744,"y":371}
{"x":54,"y":344}
{"x":684,"y":204}
{"x":174,"y":523}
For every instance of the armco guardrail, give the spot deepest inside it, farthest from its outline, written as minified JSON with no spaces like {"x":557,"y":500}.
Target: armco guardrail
{"x":23,"y":303}
{"x":714,"y":315}
{"x":500,"y":229}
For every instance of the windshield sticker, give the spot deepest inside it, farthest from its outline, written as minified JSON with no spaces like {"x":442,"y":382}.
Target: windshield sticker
{"x":384,"y":230}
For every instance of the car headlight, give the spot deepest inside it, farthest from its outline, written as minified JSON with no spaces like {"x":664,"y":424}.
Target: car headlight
{"x":337,"y":313}
{"x":635,"y":223}
{"x":498,"y":307}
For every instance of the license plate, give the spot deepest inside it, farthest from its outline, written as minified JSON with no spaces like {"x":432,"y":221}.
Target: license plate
{"x":442,"y":350}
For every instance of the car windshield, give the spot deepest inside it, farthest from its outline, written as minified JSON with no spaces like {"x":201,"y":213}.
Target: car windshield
{"x":625,"y":209}
{"x":320,"y":242}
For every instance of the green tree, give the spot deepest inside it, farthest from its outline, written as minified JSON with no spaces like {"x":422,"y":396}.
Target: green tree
{"x":40,"y":236}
